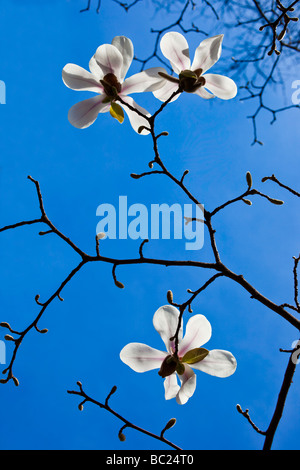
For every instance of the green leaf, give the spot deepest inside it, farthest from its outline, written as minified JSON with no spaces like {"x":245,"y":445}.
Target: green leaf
{"x":180,"y":368}
{"x":195,"y":355}
{"x":107,"y":99}
{"x":117,"y":112}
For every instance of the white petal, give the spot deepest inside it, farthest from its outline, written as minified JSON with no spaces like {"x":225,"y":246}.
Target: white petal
{"x":95,"y":69}
{"x":207,"y":53}
{"x":221,"y":86}
{"x":218,"y":363}
{"x":204,"y":93}
{"x":165,"y":322}
{"x":171,"y":386}
{"x":188,"y":385}
{"x":148,"y":80}
{"x":197,"y":333}
{"x":166,"y":91}
{"x":174,"y":47}
{"x":141,"y":357}
{"x":77,"y":78}
{"x":125,"y":47}
{"x":109,"y":60}
{"x":135,"y":119}
{"x":84,"y":113}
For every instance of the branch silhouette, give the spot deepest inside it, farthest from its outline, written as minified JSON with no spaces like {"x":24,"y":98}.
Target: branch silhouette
{"x":127,"y":423}
{"x":221,"y":270}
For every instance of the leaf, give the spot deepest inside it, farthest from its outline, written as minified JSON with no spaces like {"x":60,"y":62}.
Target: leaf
{"x":195,"y":355}
{"x":180,"y":368}
{"x":117,"y":112}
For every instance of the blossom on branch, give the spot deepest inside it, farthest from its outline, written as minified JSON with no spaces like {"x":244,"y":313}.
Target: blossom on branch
{"x":108,"y":68}
{"x":193,"y":77}
{"x":190,"y":355}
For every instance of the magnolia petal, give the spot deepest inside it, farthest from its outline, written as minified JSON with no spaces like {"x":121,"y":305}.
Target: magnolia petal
{"x":174,"y":47}
{"x":125,"y":47}
{"x":95,"y":69}
{"x":164,"y":93}
{"x":77,"y":78}
{"x":165,"y":322}
{"x":171,"y":386}
{"x":84,"y":113}
{"x":197,"y":333}
{"x":204,"y":93}
{"x":148,"y":80}
{"x":136,"y":120}
{"x":221,"y":86}
{"x":188,"y":385}
{"x":208,"y":53}
{"x":218,"y":363}
{"x":109,"y":60}
{"x":141,"y":358}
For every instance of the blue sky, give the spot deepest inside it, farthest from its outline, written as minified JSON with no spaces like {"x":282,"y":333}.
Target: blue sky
{"x":80,"y":169}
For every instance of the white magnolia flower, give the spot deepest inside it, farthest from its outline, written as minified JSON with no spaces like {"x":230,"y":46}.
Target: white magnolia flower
{"x":142,"y":358}
{"x":108,"y":68}
{"x":193,"y":77}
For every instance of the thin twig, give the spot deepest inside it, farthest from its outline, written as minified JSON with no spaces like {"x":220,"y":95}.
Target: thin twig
{"x":126,"y":422}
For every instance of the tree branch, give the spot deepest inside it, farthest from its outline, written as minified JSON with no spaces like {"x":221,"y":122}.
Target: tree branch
{"x":127,"y":423}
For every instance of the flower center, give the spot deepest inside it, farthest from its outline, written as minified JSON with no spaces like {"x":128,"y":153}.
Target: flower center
{"x":173,"y":362}
{"x":169,"y":365}
{"x":189,"y":81}
{"x":111,"y":86}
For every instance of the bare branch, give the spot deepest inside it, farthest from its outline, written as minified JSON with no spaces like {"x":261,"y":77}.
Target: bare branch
{"x":127,"y":423}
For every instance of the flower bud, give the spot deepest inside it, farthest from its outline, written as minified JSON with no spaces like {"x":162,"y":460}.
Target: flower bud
{"x":16,"y":382}
{"x":281,"y":35}
{"x":121,"y":436}
{"x":9,"y":338}
{"x":80,"y":406}
{"x":141,"y":128}
{"x":249,"y":179}
{"x":277,"y":202}
{"x":101,"y":235}
{"x":170,"y":296}
{"x":4,"y":324}
{"x":119,"y":284}
{"x":246,"y":201}
{"x":170,"y":423}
